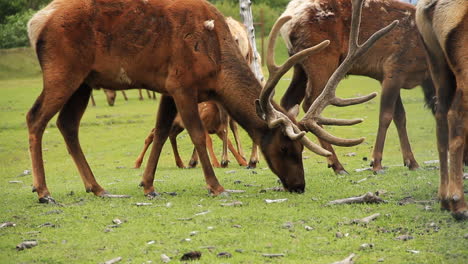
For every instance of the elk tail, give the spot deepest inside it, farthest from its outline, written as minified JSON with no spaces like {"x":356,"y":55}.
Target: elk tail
{"x":429,"y":94}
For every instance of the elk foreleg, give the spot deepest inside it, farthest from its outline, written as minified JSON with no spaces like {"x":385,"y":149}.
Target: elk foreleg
{"x":193,"y":159}
{"x":124,"y":95}
{"x":166,"y":114}
{"x":140,"y":95}
{"x":93,"y":103}
{"x":148,"y":141}
{"x":400,"y":122}
{"x":253,"y":157}
{"x":68,"y":122}
{"x":296,"y":89}
{"x":188,"y":109}
{"x":390,"y":93}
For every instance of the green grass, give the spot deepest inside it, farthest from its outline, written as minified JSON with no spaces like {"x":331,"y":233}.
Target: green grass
{"x":112,"y":138}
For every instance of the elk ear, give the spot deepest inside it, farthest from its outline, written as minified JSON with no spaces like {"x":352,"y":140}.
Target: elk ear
{"x":294,"y":111}
{"x":259,"y":110}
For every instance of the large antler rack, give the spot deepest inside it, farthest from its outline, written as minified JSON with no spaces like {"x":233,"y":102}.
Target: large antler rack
{"x":265,"y":109}
{"x":312,"y":119}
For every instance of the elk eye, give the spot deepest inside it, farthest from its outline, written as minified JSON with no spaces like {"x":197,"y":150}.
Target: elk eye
{"x":284,"y":149}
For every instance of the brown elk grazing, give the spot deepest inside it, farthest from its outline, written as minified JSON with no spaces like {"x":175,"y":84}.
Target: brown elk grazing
{"x":184,"y":50}
{"x":397,"y":61}
{"x":443,"y":25}
{"x":214,"y":118}
{"x":215,"y":121}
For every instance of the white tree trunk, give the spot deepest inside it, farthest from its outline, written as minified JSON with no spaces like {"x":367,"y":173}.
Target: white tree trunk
{"x":247,"y":19}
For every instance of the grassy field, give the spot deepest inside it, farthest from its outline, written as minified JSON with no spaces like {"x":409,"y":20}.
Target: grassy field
{"x":185,"y":218}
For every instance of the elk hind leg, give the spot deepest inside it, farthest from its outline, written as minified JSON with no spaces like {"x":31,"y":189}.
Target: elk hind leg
{"x":390,"y":93}
{"x":236,"y":154}
{"x":400,"y":123}
{"x":458,"y":126}
{"x":49,"y":102}
{"x":148,"y":141}
{"x":176,"y":130}
{"x":68,"y":123}
{"x":214,"y":160}
{"x":235,"y":132}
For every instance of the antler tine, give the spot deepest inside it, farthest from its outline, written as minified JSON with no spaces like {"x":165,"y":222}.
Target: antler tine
{"x":275,"y":72}
{"x":265,"y":108}
{"x":312,"y":119}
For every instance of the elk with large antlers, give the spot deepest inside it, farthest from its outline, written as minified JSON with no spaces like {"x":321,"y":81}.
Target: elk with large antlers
{"x":397,"y":61}
{"x":182,"y":49}
{"x":444,"y":28}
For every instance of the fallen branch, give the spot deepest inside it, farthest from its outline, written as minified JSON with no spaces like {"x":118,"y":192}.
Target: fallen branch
{"x":348,"y":260}
{"x":26,"y":244}
{"x":366,"y":198}
{"x":269,"y":201}
{"x":114,"y":260}
{"x":366,"y":220}
{"x":7,"y":224}
{"x":273,"y":255}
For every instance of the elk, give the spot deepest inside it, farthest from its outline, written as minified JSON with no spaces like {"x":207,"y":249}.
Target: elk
{"x":443,"y":25}
{"x":215,"y":121}
{"x":183,"y":50}
{"x":214,"y":118}
{"x":397,"y":61}
{"x":111,"y":95}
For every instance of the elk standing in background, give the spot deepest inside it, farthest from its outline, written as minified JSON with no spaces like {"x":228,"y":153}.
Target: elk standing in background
{"x":111,"y":95}
{"x":184,"y":50}
{"x":397,"y":61}
{"x":444,"y":28}
{"x":215,"y":121}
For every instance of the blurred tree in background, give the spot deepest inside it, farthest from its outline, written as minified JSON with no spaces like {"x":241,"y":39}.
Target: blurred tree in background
{"x":14,"y":16}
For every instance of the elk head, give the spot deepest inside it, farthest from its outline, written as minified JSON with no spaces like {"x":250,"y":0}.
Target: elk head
{"x":289,"y":151}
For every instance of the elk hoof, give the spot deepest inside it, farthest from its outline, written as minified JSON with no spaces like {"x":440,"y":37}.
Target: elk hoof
{"x":460,"y":216}
{"x":412,"y":165}
{"x":252,"y":164}
{"x":444,"y":205}
{"x":224,"y":194}
{"x":379,"y":171}
{"x":224,"y":163}
{"x":47,"y":200}
{"x":192,"y":164}
{"x":221,"y":194}
{"x":151,"y":195}
{"x":341,"y":172}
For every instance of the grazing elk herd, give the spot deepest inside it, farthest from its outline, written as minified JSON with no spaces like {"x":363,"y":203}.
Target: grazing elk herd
{"x":187,"y":52}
